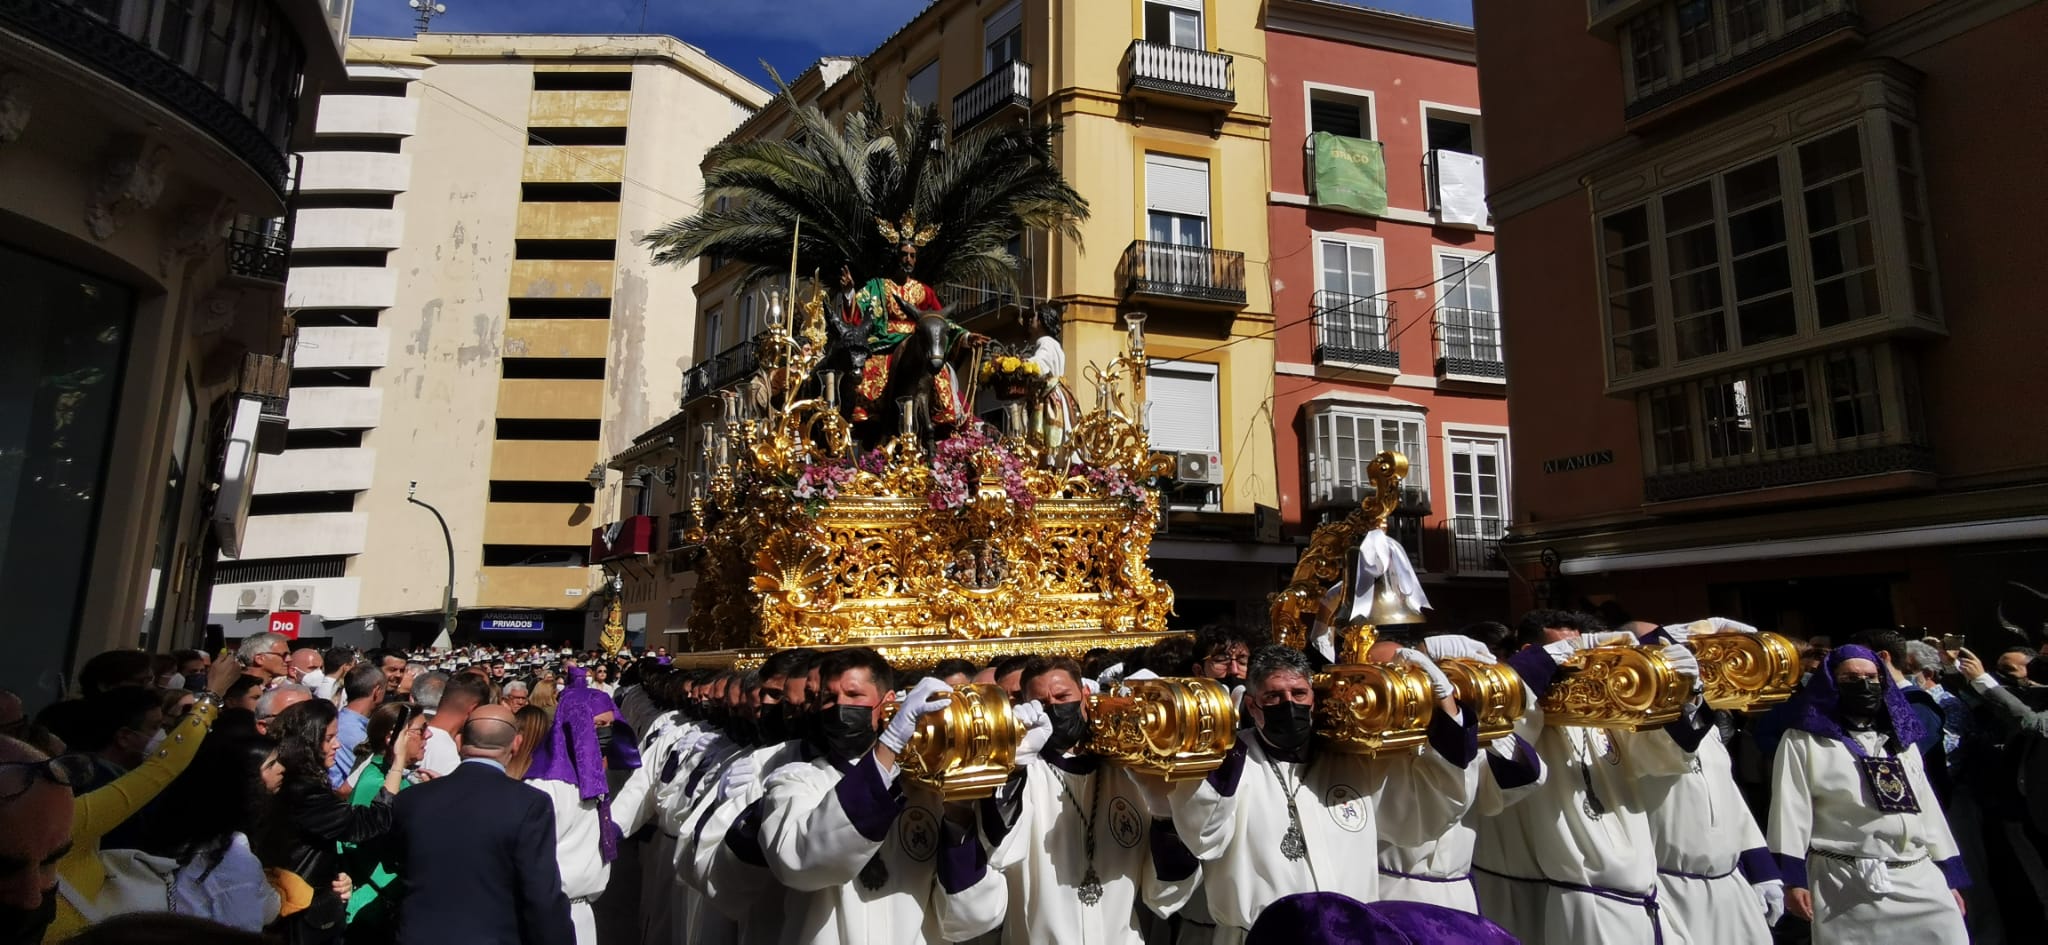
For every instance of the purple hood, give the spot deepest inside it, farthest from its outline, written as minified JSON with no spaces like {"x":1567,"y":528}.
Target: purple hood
{"x":1818,"y":710}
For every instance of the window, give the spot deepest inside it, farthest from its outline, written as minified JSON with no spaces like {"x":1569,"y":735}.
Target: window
{"x":1675,"y":46}
{"x":1470,"y":325}
{"x":1174,"y":23}
{"x":1708,"y":268}
{"x":1479,"y":505}
{"x":1450,"y":131}
{"x":1345,"y":440}
{"x":923,"y":87}
{"x":173,"y":28}
{"x":1343,"y":114}
{"x":1181,"y":407}
{"x":749,"y":303}
{"x":1177,"y":200}
{"x":1795,"y":411}
{"x":1002,"y":37}
{"x":714,"y":318}
{"x":1350,"y":314}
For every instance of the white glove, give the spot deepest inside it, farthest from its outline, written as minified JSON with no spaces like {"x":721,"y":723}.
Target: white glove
{"x":1438,"y":682}
{"x":1683,"y":661}
{"x":1772,"y":892}
{"x":1564,"y":649}
{"x":1037,"y":729}
{"x":1140,"y":674}
{"x":915,"y":706}
{"x":738,"y":775}
{"x":1450,"y":646}
{"x":1683,"y":632}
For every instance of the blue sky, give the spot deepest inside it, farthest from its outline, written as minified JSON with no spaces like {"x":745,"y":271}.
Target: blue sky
{"x":788,"y":34}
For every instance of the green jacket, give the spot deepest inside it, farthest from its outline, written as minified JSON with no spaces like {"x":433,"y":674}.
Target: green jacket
{"x":368,"y":871}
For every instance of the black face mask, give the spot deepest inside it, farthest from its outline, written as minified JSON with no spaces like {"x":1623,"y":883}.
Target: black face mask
{"x":1288,"y":726}
{"x":604,"y":740}
{"x":740,"y":727}
{"x":1231,"y":682}
{"x":26,"y":926}
{"x":846,"y":732}
{"x":1861,"y":699}
{"x":771,"y":727}
{"x":1068,"y":727}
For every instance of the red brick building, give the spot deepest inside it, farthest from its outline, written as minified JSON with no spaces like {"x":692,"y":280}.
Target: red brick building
{"x":1773,"y":354}
{"x":1388,"y":335}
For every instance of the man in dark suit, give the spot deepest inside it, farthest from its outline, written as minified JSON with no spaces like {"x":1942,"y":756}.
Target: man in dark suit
{"x":475,"y":850}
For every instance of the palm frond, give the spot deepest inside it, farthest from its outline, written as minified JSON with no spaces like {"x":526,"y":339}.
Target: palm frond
{"x":982,"y":190}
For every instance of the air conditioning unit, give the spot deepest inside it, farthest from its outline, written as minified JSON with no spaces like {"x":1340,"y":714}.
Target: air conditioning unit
{"x":254,"y":599}
{"x":298,"y":597}
{"x":1196,"y":467}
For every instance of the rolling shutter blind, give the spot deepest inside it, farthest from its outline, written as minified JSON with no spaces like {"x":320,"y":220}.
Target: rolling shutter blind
{"x":1177,"y":185}
{"x":1182,"y":401}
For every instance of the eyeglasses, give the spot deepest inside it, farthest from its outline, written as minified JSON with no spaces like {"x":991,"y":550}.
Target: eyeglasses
{"x":67,"y":770}
{"x":1228,"y":659}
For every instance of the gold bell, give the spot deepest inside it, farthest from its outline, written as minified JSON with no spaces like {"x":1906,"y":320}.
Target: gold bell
{"x":1390,"y":608}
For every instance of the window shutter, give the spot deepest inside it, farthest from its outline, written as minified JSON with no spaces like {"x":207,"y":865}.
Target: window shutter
{"x":1340,"y":117}
{"x":1177,"y":185}
{"x":1002,"y":23}
{"x":1183,"y":406}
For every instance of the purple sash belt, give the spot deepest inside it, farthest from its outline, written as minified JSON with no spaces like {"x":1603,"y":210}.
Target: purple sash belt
{"x":1646,"y":901}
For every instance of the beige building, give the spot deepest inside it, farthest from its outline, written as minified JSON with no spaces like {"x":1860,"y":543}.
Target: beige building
{"x":476,"y":316}
{"x":144,"y":173}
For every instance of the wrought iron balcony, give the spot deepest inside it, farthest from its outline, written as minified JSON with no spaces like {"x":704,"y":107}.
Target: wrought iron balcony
{"x":974,"y":301}
{"x":241,"y":88}
{"x":1193,"y":274}
{"x":1355,"y":330}
{"x":1177,"y":72}
{"x":723,"y":370}
{"x":1007,"y":88}
{"x":1475,"y":544}
{"x":258,"y":254}
{"x":1469,"y":344}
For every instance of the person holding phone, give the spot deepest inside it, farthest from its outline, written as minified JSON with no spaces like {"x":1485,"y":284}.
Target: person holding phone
{"x":373,"y":915}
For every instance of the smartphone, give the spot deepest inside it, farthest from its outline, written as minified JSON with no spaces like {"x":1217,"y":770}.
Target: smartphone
{"x":1951,"y":641}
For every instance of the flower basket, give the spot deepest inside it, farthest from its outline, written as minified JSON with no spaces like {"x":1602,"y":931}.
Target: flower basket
{"x":1011,"y":377}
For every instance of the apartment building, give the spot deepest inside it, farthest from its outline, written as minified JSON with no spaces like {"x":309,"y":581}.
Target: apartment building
{"x":144,"y":183}
{"x":478,"y":328}
{"x":1769,"y":351}
{"x":1163,"y":105}
{"x":1389,"y":333}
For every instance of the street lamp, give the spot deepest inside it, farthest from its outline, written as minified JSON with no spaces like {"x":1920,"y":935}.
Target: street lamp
{"x":447,"y":637}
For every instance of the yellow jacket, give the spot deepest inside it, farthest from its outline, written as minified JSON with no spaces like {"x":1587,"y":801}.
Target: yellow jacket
{"x":96,"y":814}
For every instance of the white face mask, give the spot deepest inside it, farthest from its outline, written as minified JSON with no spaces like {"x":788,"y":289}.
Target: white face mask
{"x":155,"y":741}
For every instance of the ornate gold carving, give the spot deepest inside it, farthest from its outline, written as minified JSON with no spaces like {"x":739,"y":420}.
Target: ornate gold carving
{"x":1372,"y":708}
{"x":1621,"y":687}
{"x":1491,"y":690}
{"x":1746,"y":671}
{"x":1177,"y":729}
{"x":965,"y":751}
{"x":1322,"y":566}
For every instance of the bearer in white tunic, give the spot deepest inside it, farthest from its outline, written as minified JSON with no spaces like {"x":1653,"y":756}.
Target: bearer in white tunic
{"x":1575,"y":862}
{"x":1275,"y":819}
{"x":859,"y":854}
{"x":1866,"y":852}
{"x":1714,"y":875}
{"x":635,"y":807}
{"x":1076,"y":840}
{"x":570,"y":770}
{"x":1439,"y":871}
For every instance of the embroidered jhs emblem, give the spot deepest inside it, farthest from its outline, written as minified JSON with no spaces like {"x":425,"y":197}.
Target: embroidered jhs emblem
{"x":1125,"y":826}
{"x":1347,"y":808}
{"x":918,"y":831}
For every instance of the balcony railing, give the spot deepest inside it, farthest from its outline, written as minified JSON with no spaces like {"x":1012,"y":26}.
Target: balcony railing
{"x":1475,"y":544}
{"x":258,"y":254}
{"x":977,"y":300}
{"x":1354,"y":329}
{"x":1676,"y":48}
{"x":1188,"y":273}
{"x":1008,"y":87}
{"x":240,"y":88}
{"x":1469,"y":344}
{"x":1180,"y":72}
{"x":723,"y":370}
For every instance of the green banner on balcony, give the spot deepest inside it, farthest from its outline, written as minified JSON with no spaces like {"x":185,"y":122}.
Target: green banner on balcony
{"x":1350,"y":173}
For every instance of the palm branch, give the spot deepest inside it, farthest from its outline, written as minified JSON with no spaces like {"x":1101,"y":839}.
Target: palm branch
{"x":982,"y":190}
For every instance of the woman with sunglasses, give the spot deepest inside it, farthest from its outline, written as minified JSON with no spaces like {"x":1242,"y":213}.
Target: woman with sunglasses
{"x":81,"y":873}
{"x":314,"y":820}
{"x":372,"y":916}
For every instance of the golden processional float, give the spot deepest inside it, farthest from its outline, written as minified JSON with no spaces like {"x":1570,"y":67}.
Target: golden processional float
{"x":976,"y":546}
{"x":1368,"y":707}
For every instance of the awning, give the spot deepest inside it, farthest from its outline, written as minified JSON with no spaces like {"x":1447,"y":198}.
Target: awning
{"x":1958,"y":533}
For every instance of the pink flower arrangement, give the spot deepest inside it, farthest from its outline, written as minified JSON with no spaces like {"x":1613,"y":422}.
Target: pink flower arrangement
{"x":823,"y":481}
{"x":955,"y":472}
